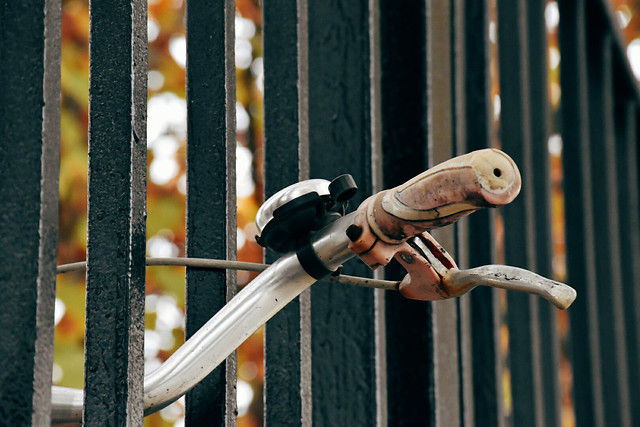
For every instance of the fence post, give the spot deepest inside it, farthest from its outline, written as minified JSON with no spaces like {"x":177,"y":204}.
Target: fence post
{"x":580,"y":242}
{"x":286,"y":161}
{"x":342,"y":318}
{"x":524,"y":122}
{"x":477,"y":232}
{"x":547,"y":358}
{"x":211,"y":194}
{"x":114,"y":362}
{"x":404,"y":145}
{"x":29,"y":164}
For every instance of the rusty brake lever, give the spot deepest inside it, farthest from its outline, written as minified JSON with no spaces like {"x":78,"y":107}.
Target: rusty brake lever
{"x":452,"y":282}
{"x":385,"y":223}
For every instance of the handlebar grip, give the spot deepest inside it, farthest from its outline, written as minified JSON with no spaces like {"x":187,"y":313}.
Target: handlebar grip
{"x":443,"y":194}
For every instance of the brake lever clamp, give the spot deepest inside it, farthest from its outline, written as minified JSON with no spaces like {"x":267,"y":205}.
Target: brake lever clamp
{"x":424,"y":281}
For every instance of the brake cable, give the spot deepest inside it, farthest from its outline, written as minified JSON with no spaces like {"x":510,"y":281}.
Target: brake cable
{"x":344,"y":279}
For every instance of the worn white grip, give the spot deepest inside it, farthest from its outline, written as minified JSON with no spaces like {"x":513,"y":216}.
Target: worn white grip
{"x":443,"y":194}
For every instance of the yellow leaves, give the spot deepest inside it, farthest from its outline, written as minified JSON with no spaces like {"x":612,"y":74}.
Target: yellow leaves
{"x":168,"y":280}
{"x":75,"y":76}
{"x":247,"y":209}
{"x":166,"y":212}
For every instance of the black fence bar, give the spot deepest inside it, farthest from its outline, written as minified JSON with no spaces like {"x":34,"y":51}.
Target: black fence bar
{"x":211,"y":192}
{"x":610,"y":146}
{"x":546,"y":351}
{"x":477,"y":245}
{"x":605,"y":228}
{"x":29,"y":162}
{"x":629,"y":229}
{"x":459,"y":85}
{"x":286,"y":161}
{"x":404,"y":145}
{"x":580,"y":242}
{"x":524,"y":126}
{"x":116,"y":239}
{"x":342,"y":318}
{"x":515,"y":140}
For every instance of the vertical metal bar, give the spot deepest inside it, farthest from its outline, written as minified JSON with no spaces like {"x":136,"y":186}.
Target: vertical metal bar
{"x":605,"y":226}
{"x":459,"y":57}
{"x":547,"y":349}
{"x":377,"y":171}
{"x":286,"y":147}
{"x":524,"y":125}
{"x":211,"y":199}
{"x":518,"y":235}
{"x":49,"y":197}
{"x":116,"y":215}
{"x":580,"y":241}
{"x":404,"y":146}
{"x":443,"y":315}
{"x":138,"y":225}
{"x":478,"y":245}
{"x":342,"y":319}
{"x":629,"y":229}
{"x":29,"y":164}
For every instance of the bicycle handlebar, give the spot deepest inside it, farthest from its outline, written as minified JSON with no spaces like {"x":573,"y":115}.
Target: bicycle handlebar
{"x":384,"y":226}
{"x":444,"y":194}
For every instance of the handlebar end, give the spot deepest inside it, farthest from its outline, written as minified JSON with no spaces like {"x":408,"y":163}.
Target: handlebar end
{"x":444,"y":194}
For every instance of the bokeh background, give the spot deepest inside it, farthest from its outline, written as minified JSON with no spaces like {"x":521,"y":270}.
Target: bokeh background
{"x":166,"y":134}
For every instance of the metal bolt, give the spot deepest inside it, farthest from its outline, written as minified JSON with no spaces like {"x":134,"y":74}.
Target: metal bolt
{"x":354,"y":232}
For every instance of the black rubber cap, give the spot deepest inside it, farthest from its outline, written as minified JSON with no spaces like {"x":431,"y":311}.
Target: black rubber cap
{"x":343,"y":188}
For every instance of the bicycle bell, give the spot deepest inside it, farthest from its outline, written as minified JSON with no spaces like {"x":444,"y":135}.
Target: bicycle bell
{"x":287,"y":218}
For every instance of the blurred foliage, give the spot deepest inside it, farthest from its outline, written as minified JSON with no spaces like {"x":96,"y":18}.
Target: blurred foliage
{"x":165,"y":189}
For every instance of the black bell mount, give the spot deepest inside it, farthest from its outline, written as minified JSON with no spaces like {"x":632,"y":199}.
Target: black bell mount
{"x":286,"y":220}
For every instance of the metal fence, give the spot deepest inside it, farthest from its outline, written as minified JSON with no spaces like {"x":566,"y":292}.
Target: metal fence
{"x":377,"y":89}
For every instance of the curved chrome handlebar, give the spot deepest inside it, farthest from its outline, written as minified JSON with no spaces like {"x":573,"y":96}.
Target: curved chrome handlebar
{"x":256,"y":303}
